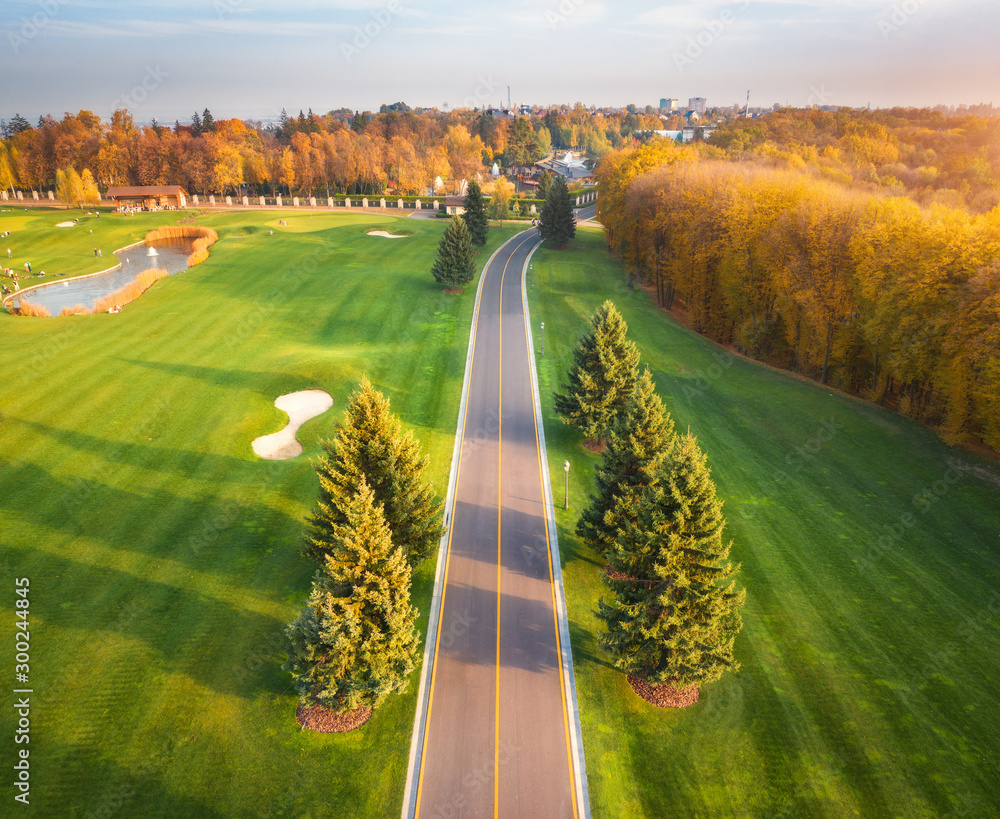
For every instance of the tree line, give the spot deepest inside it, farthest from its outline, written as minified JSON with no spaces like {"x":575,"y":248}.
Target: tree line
{"x":340,"y":152}
{"x":925,"y":154}
{"x":872,"y":293}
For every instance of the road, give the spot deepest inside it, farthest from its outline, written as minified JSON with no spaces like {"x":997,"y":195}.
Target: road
{"x":499,"y":734}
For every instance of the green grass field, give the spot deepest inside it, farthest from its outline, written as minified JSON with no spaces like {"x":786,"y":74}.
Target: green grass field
{"x":163,"y":556}
{"x":871,"y":644}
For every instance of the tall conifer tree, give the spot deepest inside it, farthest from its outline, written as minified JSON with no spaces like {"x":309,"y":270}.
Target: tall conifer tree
{"x":456,"y":263}
{"x":370,"y":447}
{"x":637,"y":446}
{"x":557,"y":224}
{"x":674,"y":611}
{"x":355,"y":641}
{"x":475,"y":216}
{"x":603,"y":376}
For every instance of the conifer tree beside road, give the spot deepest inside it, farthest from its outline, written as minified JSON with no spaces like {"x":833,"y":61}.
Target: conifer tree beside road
{"x":602,"y":379}
{"x":557,"y":224}
{"x":638,"y":444}
{"x":476,"y":218}
{"x":455,"y":264}
{"x":371,"y":448}
{"x":674,"y":609}
{"x":355,"y":641}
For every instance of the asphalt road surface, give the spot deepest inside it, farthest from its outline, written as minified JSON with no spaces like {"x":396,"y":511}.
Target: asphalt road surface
{"x":497,"y":733}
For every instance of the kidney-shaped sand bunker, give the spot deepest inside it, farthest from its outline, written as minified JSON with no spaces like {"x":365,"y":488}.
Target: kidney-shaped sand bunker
{"x":300,"y":406}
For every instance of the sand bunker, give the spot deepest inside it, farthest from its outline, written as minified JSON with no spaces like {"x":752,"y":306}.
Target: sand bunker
{"x":300,"y":406}
{"x":66,"y":224}
{"x":386,"y":234}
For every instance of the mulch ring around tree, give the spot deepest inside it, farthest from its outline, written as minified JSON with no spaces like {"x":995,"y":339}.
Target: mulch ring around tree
{"x":452,"y":291}
{"x":595,"y":445}
{"x":318,"y":718}
{"x":665,"y":695}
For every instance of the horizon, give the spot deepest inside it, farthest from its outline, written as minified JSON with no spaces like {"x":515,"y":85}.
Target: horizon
{"x":248,"y":60}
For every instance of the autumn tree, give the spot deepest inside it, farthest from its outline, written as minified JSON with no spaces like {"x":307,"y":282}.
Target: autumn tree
{"x":455,"y":264}
{"x":637,"y":446}
{"x":8,"y":176}
{"x":674,"y":610}
{"x":500,"y":203}
{"x":355,"y":641}
{"x":602,"y":379}
{"x":557,"y":225}
{"x":475,"y":216}
{"x":69,"y":188}
{"x":90,"y":195}
{"x":371,"y":448}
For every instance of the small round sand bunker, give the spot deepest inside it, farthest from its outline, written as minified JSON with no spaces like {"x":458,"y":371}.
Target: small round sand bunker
{"x":300,"y":406}
{"x":386,"y":234}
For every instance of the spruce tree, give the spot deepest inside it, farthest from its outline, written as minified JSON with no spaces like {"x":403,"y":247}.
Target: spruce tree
{"x":603,"y":376}
{"x":355,"y":642}
{"x":207,"y":121}
{"x":674,"y":611}
{"x":637,"y":446}
{"x":196,"y":124}
{"x":455,"y":264}
{"x":557,"y":224}
{"x":476,"y":218}
{"x":544,"y":184}
{"x":370,"y":447}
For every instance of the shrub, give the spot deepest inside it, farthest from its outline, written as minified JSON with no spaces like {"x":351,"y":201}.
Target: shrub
{"x":131,"y":291}
{"x":26,"y":308}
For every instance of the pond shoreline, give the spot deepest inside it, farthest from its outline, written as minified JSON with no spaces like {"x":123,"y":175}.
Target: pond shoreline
{"x":111,"y":269}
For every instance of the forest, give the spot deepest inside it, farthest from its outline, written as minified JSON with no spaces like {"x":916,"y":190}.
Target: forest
{"x":395,"y":150}
{"x":829,"y":245}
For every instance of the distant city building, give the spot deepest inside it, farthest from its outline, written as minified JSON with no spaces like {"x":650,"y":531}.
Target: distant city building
{"x":669,"y":104}
{"x":697,"y":104}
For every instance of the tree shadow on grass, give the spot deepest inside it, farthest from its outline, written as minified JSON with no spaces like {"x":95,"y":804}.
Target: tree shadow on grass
{"x":143,"y":454}
{"x":84,"y":778}
{"x":96,"y":613}
{"x":238,"y":528}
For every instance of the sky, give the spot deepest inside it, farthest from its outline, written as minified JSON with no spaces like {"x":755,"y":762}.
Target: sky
{"x":251,"y":58}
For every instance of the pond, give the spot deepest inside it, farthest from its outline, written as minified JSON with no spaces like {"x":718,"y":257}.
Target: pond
{"x":170,"y":255}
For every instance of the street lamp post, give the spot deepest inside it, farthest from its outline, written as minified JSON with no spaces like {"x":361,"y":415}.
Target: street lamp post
{"x":566,"y":496}
{"x":531,"y":274}
{"x":543,"y":338}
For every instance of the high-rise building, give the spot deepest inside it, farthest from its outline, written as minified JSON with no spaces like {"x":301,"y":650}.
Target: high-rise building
{"x":697,"y":104}
{"x":669,"y":104}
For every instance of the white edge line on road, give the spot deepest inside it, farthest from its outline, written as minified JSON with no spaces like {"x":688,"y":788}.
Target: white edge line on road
{"x":576,"y":734}
{"x":423,"y":693}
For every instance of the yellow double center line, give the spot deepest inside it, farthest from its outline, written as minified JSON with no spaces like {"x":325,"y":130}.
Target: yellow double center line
{"x":496,"y":718}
